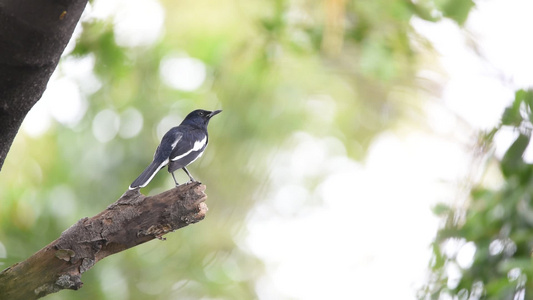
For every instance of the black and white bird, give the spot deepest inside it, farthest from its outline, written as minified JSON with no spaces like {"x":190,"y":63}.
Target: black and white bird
{"x":180,"y":146}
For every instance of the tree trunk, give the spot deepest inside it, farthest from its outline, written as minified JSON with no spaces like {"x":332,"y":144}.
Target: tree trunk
{"x":33,"y":35}
{"x":132,"y":220}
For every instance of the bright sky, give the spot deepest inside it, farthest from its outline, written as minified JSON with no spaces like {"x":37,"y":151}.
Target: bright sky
{"x":374,"y":214}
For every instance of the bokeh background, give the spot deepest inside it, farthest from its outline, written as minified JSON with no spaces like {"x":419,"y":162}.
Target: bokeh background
{"x":345,"y":123}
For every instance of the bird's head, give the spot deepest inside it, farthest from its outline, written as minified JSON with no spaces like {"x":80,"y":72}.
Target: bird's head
{"x":200,"y":117}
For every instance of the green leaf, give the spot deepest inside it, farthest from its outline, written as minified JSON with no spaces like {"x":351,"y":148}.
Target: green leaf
{"x":438,"y":258}
{"x":422,"y":10}
{"x":512,"y":162}
{"x":527,"y":98}
{"x":441,"y":209}
{"x":511,"y":116}
{"x":456,"y":9}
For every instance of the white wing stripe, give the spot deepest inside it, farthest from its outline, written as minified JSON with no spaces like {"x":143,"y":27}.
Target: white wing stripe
{"x":176,"y":142}
{"x":197,"y":146}
{"x":197,"y":157}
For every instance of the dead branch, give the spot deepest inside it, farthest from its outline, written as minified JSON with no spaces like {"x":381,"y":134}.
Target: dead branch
{"x":132,"y":220}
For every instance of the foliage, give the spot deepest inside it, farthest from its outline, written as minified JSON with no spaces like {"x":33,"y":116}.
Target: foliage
{"x":330,"y":68}
{"x":484,"y":250}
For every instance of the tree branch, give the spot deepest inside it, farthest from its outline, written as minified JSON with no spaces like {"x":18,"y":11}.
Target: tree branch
{"x":132,"y":220}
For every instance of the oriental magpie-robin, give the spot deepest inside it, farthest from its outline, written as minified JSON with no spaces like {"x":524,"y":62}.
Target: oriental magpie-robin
{"x":180,"y":146}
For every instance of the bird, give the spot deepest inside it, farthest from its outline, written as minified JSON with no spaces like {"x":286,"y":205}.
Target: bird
{"x":179,"y":147}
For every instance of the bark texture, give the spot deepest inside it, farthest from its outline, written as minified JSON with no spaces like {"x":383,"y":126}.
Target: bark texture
{"x":132,"y":220}
{"x":33,"y":35}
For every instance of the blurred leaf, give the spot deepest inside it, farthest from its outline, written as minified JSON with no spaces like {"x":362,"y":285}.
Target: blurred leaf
{"x":527,"y":98}
{"x":439,"y":260}
{"x":511,"y":116}
{"x":499,"y":288}
{"x":457,"y":10}
{"x":441,"y":209}
{"x":512,"y":162}
{"x":423,"y":9}
{"x":509,"y":264}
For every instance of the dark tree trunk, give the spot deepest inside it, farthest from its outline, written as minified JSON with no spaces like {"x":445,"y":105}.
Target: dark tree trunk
{"x":33,"y":35}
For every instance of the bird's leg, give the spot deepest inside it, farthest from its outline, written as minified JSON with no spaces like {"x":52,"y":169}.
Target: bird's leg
{"x":174,"y":179}
{"x":189,"y":174}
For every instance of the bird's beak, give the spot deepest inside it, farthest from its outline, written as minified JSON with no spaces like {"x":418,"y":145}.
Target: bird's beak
{"x":213,"y":113}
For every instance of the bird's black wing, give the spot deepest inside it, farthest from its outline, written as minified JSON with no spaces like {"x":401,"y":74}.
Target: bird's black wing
{"x":169,"y":142}
{"x":191,"y":140}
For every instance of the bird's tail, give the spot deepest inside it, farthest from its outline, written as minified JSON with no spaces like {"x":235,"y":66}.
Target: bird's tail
{"x":147,"y":175}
